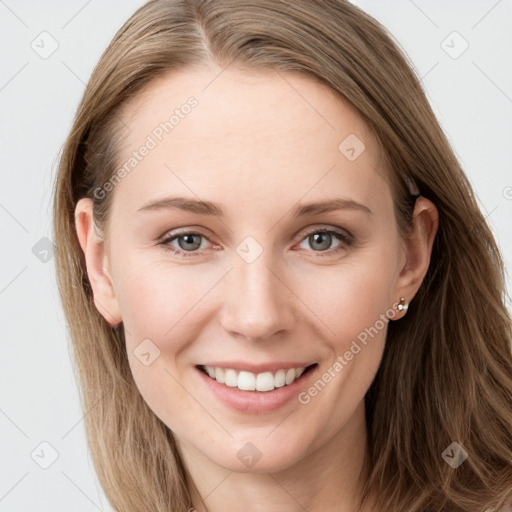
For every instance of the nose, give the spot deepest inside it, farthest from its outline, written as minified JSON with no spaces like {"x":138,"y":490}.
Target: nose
{"x":259,"y":305}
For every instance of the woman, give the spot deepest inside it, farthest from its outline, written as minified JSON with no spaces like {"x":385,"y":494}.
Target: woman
{"x":226,"y":359}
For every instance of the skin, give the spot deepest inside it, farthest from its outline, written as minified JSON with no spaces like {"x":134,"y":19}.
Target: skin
{"x":258,"y":144}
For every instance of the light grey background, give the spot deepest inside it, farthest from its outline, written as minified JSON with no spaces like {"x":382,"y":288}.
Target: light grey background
{"x":471,"y":95}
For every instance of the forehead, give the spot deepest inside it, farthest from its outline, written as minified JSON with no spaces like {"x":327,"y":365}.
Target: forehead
{"x":237,"y":101}
{"x":260,"y":134}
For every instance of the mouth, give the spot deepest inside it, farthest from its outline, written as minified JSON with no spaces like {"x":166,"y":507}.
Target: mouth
{"x":262,"y":382}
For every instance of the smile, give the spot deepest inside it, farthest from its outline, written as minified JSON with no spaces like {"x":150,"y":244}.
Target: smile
{"x":249,"y":381}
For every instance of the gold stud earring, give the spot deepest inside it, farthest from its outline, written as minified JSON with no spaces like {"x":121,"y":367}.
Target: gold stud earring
{"x":402,"y":305}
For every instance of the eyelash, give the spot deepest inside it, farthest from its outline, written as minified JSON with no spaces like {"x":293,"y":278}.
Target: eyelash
{"x":346,"y":239}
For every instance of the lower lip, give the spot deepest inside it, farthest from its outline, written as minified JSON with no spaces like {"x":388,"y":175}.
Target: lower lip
{"x":256,"y":402}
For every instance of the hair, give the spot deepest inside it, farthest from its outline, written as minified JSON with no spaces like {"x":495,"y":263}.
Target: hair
{"x":446,"y":370}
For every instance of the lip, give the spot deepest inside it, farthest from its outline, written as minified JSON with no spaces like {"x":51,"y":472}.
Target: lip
{"x":256,"y":402}
{"x":256,"y":368}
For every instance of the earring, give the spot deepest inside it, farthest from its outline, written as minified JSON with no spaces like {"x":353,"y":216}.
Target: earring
{"x":402,"y":305}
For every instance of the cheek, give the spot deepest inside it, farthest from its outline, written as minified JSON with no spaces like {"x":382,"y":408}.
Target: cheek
{"x":160,"y":304}
{"x":353,"y":295}
{"x":164,"y":307}
{"x":156,"y":299}
{"x":353,"y":305}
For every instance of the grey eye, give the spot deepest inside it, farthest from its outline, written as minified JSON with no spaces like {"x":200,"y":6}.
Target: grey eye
{"x":320,"y":241}
{"x":191,"y":242}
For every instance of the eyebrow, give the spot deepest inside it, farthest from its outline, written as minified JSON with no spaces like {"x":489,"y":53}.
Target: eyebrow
{"x":208,"y":208}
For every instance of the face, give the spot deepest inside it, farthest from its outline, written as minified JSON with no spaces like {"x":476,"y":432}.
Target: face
{"x":254,"y":282}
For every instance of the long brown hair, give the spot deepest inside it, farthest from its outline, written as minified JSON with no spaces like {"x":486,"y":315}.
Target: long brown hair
{"x":446,"y":372}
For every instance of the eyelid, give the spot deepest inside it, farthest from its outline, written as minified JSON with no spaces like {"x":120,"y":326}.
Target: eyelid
{"x":324,"y":227}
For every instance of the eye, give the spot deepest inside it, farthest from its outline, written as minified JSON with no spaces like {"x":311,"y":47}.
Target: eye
{"x":320,"y":241}
{"x":188,"y":243}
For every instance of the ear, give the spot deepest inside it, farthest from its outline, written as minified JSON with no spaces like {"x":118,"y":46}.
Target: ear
{"x":417,"y":246}
{"x":93,"y":247}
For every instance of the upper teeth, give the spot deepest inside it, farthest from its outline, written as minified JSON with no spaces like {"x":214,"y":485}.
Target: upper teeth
{"x":248,"y":381}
